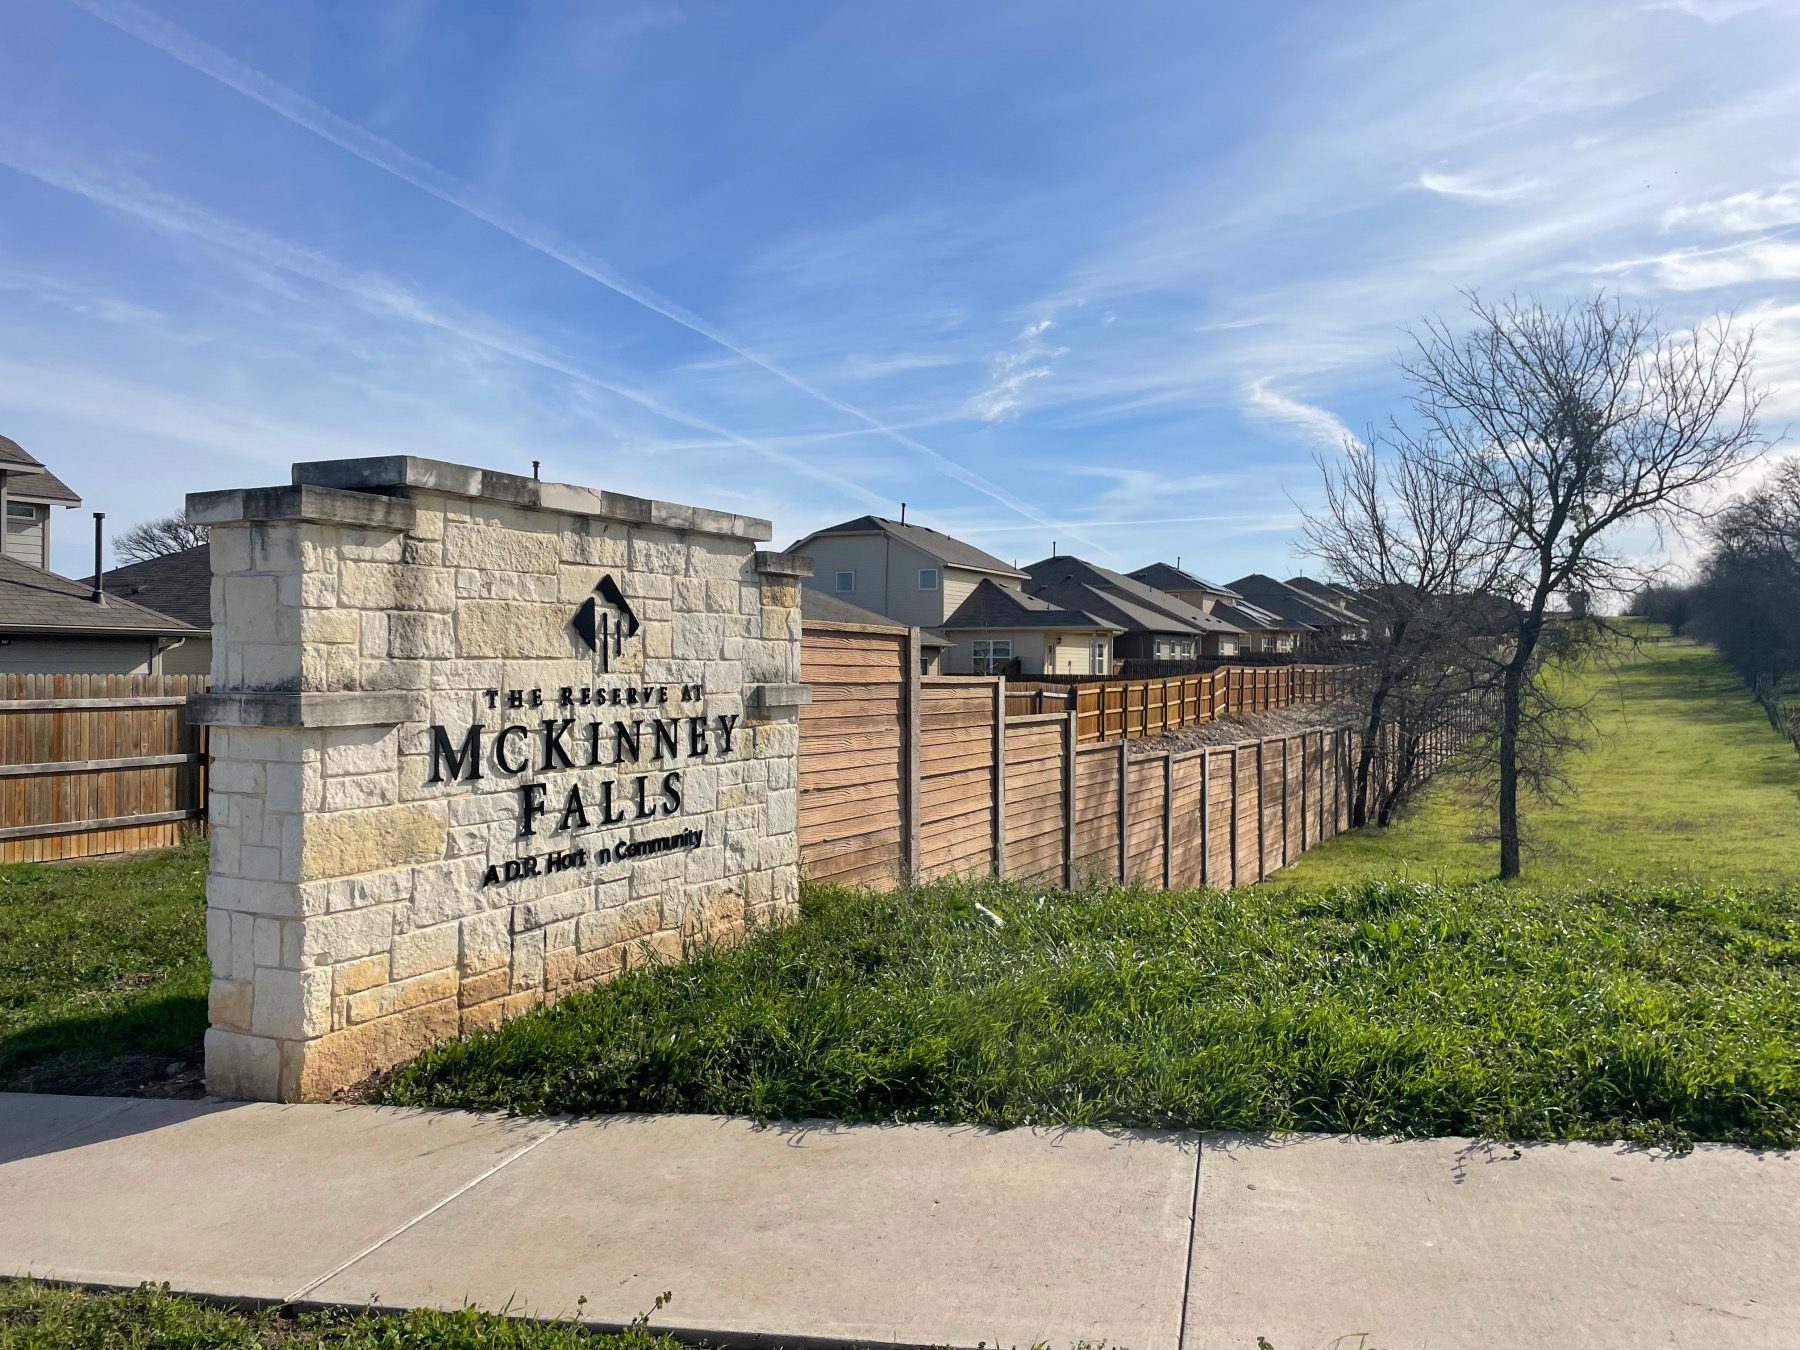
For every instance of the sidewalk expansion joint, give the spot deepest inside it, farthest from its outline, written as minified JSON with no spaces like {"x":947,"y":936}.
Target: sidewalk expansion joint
{"x":424,"y":1214}
{"x":1187,"y":1278}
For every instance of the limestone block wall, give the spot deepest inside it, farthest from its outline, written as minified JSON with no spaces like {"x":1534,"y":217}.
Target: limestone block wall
{"x":456,"y":776}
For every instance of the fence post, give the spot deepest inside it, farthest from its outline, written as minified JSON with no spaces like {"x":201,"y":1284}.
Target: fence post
{"x":1000,"y":777}
{"x":1305,"y":795}
{"x":1168,"y":817}
{"x":1234,"y":817}
{"x":909,"y":762}
{"x":1206,"y":817}
{"x":1287,"y":744}
{"x":1124,"y":811}
{"x":1262,"y":810}
{"x":1071,"y":739}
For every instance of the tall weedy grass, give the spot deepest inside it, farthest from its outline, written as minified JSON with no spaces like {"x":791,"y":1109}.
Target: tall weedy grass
{"x":1661,"y":1014}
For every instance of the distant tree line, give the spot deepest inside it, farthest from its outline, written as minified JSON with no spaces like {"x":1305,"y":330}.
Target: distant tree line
{"x":1745,"y":598}
{"x":1476,"y":524}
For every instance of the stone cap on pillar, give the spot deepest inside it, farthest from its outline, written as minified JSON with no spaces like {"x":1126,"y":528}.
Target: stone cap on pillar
{"x":772,"y":564}
{"x":322,"y":505}
{"x":284,"y":708}
{"x":399,"y":475}
{"x":762,"y":697}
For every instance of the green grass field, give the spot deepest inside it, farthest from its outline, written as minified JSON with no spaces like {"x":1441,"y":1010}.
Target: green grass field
{"x":1643,"y":981}
{"x":45,"y":1317}
{"x":1683,"y":780}
{"x":1647,"y":1013}
{"x":103,"y":971}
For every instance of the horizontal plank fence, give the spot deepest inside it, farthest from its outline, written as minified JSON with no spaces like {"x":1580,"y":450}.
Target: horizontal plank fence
{"x":909,"y":776}
{"x":899,"y":775}
{"x":97,"y":764}
{"x":1124,"y":709}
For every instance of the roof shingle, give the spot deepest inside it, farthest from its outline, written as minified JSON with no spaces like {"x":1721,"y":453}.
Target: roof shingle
{"x":33,"y":600}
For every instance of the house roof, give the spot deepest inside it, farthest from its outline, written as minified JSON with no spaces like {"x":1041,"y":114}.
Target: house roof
{"x":1166,"y":578}
{"x":823,"y":607}
{"x":1330,"y":594}
{"x":177,"y":584}
{"x":991,"y":605}
{"x":1280,"y":598}
{"x":951,"y":552}
{"x":1142,"y":608}
{"x":33,"y":600}
{"x":1250,"y":616}
{"x":27,"y":477}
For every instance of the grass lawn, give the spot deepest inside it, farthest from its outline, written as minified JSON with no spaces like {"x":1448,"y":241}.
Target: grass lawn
{"x":1684,"y":780}
{"x":1648,"y":1013}
{"x":42,"y":1317}
{"x":1576,"y":1004}
{"x":103,"y":973}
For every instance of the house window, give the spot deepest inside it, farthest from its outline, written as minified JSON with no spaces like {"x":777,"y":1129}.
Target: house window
{"x":992,"y":655}
{"x":846,"y":582}
{"x":21,"y":511}
{"x":1099,"y":659}
{"x":928,"y":578}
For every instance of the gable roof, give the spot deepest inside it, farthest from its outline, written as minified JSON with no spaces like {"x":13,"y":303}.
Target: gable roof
{"x":823,"y":607}
{"x":1143,"y":608}
{"x":1250,"y":616}
{"x":33,"y":600}
{"x":991,"y":605}
{"x":178,"y":584}
{"x":26,"y":476}
{"x":1329,"y":594}
{"x":950,"y":551}
{"x":1166,"y":578}
{"x":1280,"y":598}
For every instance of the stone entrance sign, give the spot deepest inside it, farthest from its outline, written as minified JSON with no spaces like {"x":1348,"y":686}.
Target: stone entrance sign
{"x":478,"y":740}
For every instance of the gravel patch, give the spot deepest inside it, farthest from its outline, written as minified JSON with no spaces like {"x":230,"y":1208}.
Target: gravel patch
{"x":1249,"y":727}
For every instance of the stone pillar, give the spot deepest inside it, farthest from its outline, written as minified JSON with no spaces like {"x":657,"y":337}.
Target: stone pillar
{"x":478,"y":740}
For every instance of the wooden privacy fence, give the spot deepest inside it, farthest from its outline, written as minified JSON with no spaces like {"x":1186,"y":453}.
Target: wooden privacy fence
{"x":93,"y":764}
{"x":1116,"y":710}
{"x":908,"y":776}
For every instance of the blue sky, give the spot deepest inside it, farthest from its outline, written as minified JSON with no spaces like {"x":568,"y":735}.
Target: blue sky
{"x":1104,"y":276}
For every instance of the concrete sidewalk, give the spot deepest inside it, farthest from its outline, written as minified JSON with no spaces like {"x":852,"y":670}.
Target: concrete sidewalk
{"x":910,"y":1235}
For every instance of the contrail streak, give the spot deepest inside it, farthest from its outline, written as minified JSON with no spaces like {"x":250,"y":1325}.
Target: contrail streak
{"x":172,"y":215}
{"x":227,"y":70}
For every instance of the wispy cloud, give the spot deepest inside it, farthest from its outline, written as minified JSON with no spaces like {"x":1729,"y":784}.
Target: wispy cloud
{"x":1471,"y":187}
{"x":1306,"y":422}
{"x":1707,"y":11}
{"x":383,"y":154}
{"x":1012,"y":371}
{"x":1742,"y":212}
{"x":1754,"y":262}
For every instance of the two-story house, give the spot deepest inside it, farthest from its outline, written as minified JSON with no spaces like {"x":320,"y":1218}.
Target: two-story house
{"x":909,"y":573}
{"x":29,"y":493}
{"x":50,"y":623}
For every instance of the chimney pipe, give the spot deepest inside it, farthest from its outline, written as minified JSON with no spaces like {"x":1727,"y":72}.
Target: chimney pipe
{"x":534,"y":467}
{"x":903,"y":513}
{"x":99,"y":578}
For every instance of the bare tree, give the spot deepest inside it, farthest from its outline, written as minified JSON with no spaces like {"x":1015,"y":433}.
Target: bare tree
{"x":155,"y":538}
{"x":1416,"y":546}
{"x":1566,"y":425}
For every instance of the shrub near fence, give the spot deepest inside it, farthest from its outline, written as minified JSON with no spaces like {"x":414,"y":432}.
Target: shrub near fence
{"x":96,"y":764}
{"x":902,"y":775}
